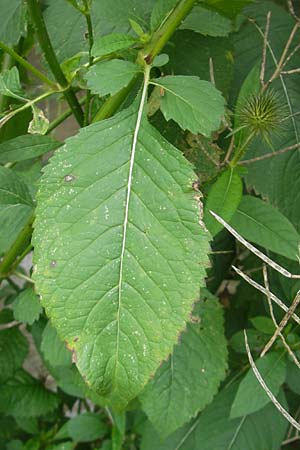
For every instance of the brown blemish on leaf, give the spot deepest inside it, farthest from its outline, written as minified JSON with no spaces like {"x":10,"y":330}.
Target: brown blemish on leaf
{"x":69,"y":178}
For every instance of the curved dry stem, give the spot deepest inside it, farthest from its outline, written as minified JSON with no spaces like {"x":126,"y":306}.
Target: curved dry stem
{"x":271,"y":396}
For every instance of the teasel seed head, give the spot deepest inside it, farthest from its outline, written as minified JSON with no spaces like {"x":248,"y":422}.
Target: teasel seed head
{"x":262,"y":113}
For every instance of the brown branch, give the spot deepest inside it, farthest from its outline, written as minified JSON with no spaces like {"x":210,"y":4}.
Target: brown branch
{"x":291,"y":55}
{"x":290,"y":72}
{"x":283,"y":323}
{"x":263,"y":384}
{"x":211,"y":72}
{"x":269,"y":155}
{"x":281,"y":61}
{"x":291,"y":10}
{"x":264,"y":53}
{"x":278,"y":330}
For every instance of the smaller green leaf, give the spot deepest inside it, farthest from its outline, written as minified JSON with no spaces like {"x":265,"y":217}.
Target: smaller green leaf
{"x":108,"y":77}
{"x":10,"y":84}
{"x":263,"y":324}
{"x":39,"y":124}
{"x":207,"y":22}
{"x":195,"y":104}
{"x":86,"y":427}
{"x":16,"y":206}
{"x":27,"y":307}
{"x":26,"y":147}
{"x":160,"y":60}
{"x":255,"y":339}
{"x":110,"y":43}
{"x":30,"y":425}
{"x":192,"y":374}
{"x":23,"y":395}
{"x":223,"y":199}
{"x":53,"y":349}
{"x":13,"y":351}
{"x":261,"y":223}
{"x":13,"y":190}
{"x":250,"y":396}
{"x":136,"y":28}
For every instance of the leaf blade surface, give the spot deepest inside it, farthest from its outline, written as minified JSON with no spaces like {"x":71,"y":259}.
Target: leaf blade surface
{"x":82,"y":204}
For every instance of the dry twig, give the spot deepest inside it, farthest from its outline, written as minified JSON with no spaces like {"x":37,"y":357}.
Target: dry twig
{"x":261,"y":381}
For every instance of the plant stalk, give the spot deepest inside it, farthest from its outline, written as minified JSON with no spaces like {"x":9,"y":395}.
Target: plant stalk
{"x":27,"y":65}
{"x":16,"y":249}
{"x":155,"y":45}
{"x":166,"y":30}
{"x":46,"y":46}
{"x":91,"y":59}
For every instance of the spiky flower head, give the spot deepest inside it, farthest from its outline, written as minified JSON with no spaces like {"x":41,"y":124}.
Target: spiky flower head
{"x":262,"y":113}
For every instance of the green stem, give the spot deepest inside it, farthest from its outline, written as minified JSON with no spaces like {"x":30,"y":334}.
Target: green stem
{"x":16,"y":249}
{"x":56,"y":122}
{"x":46,"y":46}
{"x":6,"y":64}
{"x":152,"y":49}
{"x":27,"y":105}
{"x":241,"y":151}
{"x":91,"y":59}
{"x":166,"y":30}
{"x":21,"y":257}
{"x":27,"y":65}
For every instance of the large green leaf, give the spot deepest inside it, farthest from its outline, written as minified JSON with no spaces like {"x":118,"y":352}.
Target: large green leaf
{"x":108,"y":77}
{"x":195,"y":104}
{"x":26,"y":147}
{"x":207,"y":22}
{"x":250,"y":396}
{"x":214,"y":430}
{"x":119,"y":251}
{"x":23,"y":395}
{"x":191,"y":376}
{"x":13,"y":351}
{"x":223,"y":199}
{"x":261,"y":223}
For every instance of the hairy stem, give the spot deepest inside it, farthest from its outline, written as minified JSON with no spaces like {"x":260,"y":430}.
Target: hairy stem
{"x":46,"y":46}
{"x":27,"y":65}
